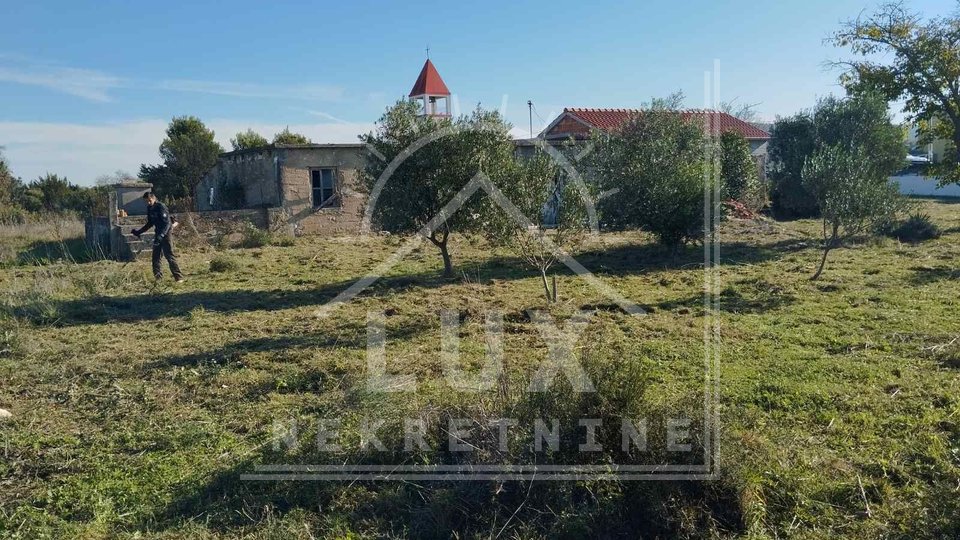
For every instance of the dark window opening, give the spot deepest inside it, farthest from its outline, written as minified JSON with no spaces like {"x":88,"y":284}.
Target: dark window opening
{"x":323,"y":182}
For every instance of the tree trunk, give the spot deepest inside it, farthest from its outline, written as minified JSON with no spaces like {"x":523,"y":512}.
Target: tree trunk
{"x":823,"y":262}
{"x":827,"y":246}
{"x":447,"y":263}
{"x":546,"y":287}
{"x":444,"y":252}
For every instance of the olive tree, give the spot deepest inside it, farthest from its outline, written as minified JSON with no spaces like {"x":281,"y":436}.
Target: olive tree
{"x":543,"y":218}
{"x":738,"y":169}
{"x":852,"y":199}
{"x":419,"y":164}
{"x":659,"y":165}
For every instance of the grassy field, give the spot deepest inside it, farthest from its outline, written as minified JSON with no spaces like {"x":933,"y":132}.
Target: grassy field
{"x":137,"y":406}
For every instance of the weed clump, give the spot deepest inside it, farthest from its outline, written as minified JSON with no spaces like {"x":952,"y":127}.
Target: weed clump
{"x":283,"y":241}
{"x":253,"y":237}
{"x":224,"y":263}
{"x":917,"y":228}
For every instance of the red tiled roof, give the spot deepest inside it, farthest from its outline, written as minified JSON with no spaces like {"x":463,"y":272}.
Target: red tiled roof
{"x":429,"y":82}
{"x":611,"y":119}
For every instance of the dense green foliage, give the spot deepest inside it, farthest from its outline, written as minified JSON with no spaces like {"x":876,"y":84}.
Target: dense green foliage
{"x":188,"y":152}
{"x":435,"y":159}
{"x":860,"y":122}
{"x":904,"y":58}
{"x":10,"y":187}
{"x":656,"y":164}
{"x":288,"y":137}
{"x":738,"y":169}
{"x":46,"y":196}
{"x":248,"y":139}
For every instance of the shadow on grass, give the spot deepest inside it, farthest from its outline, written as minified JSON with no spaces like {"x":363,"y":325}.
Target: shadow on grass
{"x":923,"y":275}
{"x":746,"y":296}
{"x":148,"y":307}
{"x":632,"y":258}
{"x":430,"y":509}
{"x":350,"y":335}
{"x":51,"y":251}
{"x":617,"y":261}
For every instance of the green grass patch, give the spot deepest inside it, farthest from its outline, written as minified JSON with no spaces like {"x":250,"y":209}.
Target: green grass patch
{"x":138,"y":405}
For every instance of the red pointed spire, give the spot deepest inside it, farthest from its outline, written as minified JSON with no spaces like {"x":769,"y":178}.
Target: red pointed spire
{"x":429,"y":82}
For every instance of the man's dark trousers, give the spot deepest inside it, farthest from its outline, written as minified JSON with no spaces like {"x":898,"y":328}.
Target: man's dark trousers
{"x":165,"y":247}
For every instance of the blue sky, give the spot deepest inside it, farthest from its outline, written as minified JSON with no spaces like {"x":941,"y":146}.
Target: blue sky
{"x":87,"y":87}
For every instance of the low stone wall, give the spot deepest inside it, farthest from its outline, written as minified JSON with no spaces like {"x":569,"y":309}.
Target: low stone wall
{"x":210,"y":222}
{"x":97,"y":233}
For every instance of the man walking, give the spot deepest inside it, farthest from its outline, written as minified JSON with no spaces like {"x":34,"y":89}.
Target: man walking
{"x":159,"y":218}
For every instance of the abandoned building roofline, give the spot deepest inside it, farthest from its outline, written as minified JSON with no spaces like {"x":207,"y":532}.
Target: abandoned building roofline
{"x":291,"y":146}
{"x":132,"y":184}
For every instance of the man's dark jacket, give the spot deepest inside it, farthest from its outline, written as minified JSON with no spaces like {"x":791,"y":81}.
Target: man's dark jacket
{"x":158,"y":217}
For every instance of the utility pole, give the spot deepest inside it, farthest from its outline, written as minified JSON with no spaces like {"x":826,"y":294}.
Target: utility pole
{"x":530,"y":111}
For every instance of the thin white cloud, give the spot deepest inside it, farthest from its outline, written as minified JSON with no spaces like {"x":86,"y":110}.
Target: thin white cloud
{"x":325,"y":116}
{"x":252,"y":90}
{"x":82,"y":152}
{"x":96,"y":85}
{"x":84,"y":83}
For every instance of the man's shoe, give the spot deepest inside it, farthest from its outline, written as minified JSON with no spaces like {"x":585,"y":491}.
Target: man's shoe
{"x":180,"y":280}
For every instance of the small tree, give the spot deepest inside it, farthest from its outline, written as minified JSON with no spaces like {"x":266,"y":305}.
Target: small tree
{"x":288,"y":137}
{"x":248,"y":139}
{"x":553,"y":216}
{"x":738,"y":169}
{"x":189,"y":151}
{"x":438,"y":157}
{"x":744,"y":111}
{"x":656,"y":165}
{"x":852,"y":198}
{"x":119,"y":176}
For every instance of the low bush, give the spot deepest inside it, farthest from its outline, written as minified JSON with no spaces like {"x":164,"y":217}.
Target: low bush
{"x":224,"y":263}
{"x":916,"y":228}
{"x":253,"y":237}
{"x":282,"y":240}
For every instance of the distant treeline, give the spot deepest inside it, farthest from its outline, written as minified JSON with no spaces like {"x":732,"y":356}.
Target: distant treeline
{"x":50,"y":194}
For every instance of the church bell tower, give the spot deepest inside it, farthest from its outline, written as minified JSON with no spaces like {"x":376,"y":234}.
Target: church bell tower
{"x":431,"y":93}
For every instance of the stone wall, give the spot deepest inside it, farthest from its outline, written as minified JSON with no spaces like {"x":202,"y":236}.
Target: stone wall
{"x":254,"y":172}
{"x":208,"y":224}
{"x":97,"y":234}
{"x":130,"y":197}
{"x":342,"y":218}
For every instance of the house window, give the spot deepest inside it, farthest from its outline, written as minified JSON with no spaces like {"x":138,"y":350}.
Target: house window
{"x":323,"y":182}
